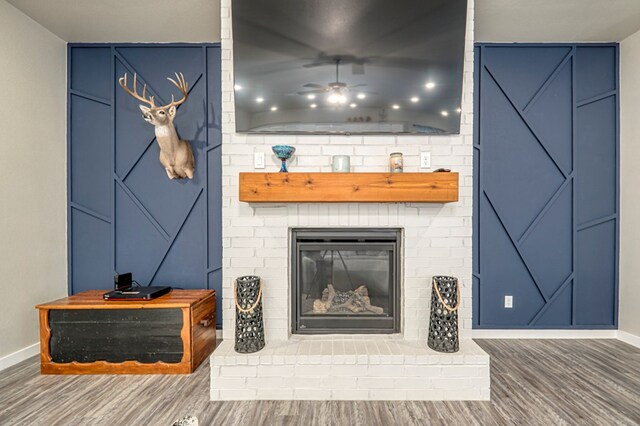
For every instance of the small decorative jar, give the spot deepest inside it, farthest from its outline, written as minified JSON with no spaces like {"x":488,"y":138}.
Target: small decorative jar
{"x":396,"y":162}
{"x":341,"y":163}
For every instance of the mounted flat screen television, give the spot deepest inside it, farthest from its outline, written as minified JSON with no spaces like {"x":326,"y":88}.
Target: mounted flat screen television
{"x":348,"y":67}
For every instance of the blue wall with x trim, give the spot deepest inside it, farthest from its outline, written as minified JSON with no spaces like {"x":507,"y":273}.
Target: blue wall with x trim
{"x":125,"y":215}
{"x":546,"y":186}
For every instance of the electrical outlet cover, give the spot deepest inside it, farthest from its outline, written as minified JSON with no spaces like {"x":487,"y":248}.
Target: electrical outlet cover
{"x":508,"y":302}
{"x":425,"y":160}
{"x":258,"y":160}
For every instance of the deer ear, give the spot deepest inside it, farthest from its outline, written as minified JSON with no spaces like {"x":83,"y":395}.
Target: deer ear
{"x":172,"y":111}
{"x":144,"y":109}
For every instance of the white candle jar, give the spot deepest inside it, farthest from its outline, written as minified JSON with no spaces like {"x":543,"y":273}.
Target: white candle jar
{"x":341,"y":164}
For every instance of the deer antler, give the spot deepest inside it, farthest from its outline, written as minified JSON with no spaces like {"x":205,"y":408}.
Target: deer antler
{"x":134,"y":92}
{"x":182,"y":85}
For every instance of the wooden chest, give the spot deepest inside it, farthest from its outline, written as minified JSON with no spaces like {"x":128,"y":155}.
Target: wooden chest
{"x":84,"y":334}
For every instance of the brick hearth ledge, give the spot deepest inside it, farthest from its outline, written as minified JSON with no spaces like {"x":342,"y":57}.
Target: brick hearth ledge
{"x":350,"y":368}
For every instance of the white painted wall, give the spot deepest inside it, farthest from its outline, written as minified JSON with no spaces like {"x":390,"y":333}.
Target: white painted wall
{"x":629,"y":316}
{"x":33,"y":260}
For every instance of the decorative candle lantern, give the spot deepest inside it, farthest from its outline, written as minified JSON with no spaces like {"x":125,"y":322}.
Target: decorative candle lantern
{"x":247,"y":293}
{"x":443,"y":325}
{"x":341,"y":163}
{"x":396,"y":162}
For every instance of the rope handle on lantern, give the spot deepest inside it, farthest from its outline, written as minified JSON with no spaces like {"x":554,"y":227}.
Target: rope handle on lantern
{"x":447,"y":307}
{"x":235,"y":297}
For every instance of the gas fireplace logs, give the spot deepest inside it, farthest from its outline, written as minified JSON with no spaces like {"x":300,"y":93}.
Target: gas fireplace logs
{"x":353,"y":300}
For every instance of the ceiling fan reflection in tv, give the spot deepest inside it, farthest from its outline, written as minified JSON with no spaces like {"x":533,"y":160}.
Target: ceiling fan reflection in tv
{"x":337,"y":90}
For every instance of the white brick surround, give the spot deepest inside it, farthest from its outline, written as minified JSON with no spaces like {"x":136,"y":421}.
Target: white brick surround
{"x":437,"y":237}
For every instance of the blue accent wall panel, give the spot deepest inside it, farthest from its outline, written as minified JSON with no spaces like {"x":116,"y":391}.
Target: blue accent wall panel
{"x":596,"y":160}
{"x":546,"y":186}
{"x":90,"y":71}
{"x":595,"y":299}
{"x":90,"y":251}
{"x":91,"y":145}
{"x":213,"y":193}
{"x":125,"y":213}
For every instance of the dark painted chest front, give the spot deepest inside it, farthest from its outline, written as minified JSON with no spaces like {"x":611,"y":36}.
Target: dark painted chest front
{"x":83,"y":334}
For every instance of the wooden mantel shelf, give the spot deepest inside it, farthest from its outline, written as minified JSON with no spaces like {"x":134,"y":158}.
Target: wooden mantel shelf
{"x":349,"y":187}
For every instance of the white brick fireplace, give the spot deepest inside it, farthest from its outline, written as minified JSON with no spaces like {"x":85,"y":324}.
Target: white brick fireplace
{"x":436,"y":241}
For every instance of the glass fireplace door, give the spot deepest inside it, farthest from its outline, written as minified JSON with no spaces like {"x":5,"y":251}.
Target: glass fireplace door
{"x":345,"y":287}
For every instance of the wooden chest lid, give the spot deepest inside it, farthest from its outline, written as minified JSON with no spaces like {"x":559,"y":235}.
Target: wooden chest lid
{"x":92,"y":299}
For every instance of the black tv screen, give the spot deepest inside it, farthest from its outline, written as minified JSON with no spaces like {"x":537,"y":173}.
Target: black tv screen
{"x":348,"y":66}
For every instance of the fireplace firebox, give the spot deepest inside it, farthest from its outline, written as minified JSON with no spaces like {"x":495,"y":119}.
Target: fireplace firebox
{"x":345,"y":281}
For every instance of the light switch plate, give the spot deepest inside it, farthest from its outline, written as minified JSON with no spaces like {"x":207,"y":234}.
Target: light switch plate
{"x":508,"y":302}
{"x":258,"y":160}
{"x":425,"y":160}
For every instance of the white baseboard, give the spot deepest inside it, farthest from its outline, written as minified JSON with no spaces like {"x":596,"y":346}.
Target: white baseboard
{"x":544,"y":334}
{"x":629,"y":338}
{"x":19,"y":356}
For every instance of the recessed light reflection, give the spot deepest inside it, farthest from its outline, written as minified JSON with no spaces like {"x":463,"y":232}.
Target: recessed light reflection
{"x":237,"y":87}
{"x":311,"y":96}
{"x":274,"y":108}
{"x":415,"y":99}
{"x":313,"y":105}
{"x":458,"y":110}
{"x":259,"y":99}
{"x":395,"y":106}
{"x":337,"y":98}
{"x":361,"y":95}
{"x":430,"y":85}
{"x":444,"y":113}
{"x":353,"y":105}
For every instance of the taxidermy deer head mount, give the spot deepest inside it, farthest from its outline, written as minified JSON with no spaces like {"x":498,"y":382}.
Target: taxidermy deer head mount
{"x":175,"y":154}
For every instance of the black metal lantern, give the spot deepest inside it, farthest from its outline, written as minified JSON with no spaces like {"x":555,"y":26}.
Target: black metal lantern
{"x":249,"y":322}
{"x":443,"y":325}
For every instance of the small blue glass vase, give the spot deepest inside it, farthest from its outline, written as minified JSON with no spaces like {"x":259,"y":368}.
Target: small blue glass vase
{"x":283,"y":152}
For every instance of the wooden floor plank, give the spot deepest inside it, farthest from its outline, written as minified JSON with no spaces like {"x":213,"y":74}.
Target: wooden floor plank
{"x":534,"y":382}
